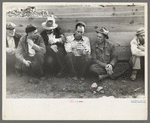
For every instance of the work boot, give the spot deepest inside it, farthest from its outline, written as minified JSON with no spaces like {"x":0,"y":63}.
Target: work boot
{"x":18,"y":72}
{"x":101,"y":77}
{"x":61,"y":73}
{"x":133,"y":75}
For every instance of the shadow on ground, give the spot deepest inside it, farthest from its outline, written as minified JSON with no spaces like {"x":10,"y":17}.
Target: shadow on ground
{"x":52,"y":87}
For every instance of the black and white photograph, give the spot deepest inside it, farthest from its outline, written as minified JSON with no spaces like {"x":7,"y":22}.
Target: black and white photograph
{"x":78,"y":54}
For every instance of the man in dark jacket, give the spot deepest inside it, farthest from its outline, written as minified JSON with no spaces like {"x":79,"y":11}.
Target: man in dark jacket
{"x":30,"y":52}
{"x":105,"y":57}
{"x":54,"y":40}
{"x":12,"y":39}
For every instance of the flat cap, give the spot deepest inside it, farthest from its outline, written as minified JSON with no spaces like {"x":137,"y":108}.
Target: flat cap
{"x":10,"y":25}
{"x":140,"y":31}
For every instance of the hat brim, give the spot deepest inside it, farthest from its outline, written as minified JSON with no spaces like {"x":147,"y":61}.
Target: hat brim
{"x":104,"y":34}
{"x":140,"y":33}
{"x":49,"y":28}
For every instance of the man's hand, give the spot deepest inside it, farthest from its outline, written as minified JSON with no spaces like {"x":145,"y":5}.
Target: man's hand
{"x":141,"y":48}
{"x":79,"y":46}
{"x":27,"y":62}
{"x":30,"y":42}
{"x":54,"y":48}
{"x":109,"y":69}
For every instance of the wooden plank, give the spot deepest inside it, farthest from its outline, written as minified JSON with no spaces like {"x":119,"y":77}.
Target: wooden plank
{"x":121,"y":41}
{"x":83,"y":8}
{"x":114,"y":24}
{"x":118,"y":38}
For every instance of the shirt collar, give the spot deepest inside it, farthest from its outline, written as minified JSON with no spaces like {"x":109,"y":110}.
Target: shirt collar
{"x":101,"y":46}
{"x":73,"y":38}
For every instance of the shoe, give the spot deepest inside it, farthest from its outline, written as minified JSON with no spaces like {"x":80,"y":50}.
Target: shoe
{"x":82,"y":78}
{"x":60,"y":74}
{"x":101,"y":77}
{"x":74,"y":78}
{"x":133,"y":75}
{"x":34,"y":81}
{"x":18,"y":72}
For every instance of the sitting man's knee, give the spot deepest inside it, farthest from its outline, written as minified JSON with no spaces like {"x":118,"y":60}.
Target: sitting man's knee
{"x":49,"y":61}
{"x":92,"y":68}
{"x":69,"y":55}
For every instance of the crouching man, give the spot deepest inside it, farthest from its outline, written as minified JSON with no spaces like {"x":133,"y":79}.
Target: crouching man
{"x":78,"y":50}
{"x":138,"y":53}
{"x":30,"y":52}
{"x":105,"y":57}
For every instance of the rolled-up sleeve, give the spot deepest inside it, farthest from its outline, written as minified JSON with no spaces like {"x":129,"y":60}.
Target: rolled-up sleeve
{"x":88,"y":46}
{"x":68,"y":46}
{"x":134,"y":49}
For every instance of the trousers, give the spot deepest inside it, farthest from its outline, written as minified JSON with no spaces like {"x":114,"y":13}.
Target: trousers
{"x":36,"y":66}
{"x":55,"y":60}
{"x":137,"y":62}
{"x":118,"y":70}
{"x":78,"y":65}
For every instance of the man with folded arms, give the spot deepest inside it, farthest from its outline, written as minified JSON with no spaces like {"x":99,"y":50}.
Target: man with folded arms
{"x":105,"y":58}
{"x":78,"y":50}
{"x":138,"y":53}
{"x":30,"y":52}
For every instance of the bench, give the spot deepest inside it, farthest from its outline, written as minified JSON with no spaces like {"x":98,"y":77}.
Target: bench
{"x":121,"y":20}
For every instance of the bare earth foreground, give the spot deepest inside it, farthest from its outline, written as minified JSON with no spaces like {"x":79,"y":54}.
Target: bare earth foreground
{"x":52,"y":87}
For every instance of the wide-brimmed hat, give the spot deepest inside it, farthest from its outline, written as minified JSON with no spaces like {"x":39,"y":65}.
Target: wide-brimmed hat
{"x":10,"y":25}
{"x":30,"y":28}
{"x":140,"y":31}
{"x":104,"y":31}
{"x":49,"y":26}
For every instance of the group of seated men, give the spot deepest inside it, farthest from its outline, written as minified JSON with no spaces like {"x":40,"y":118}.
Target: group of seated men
{"x":52,"y":50}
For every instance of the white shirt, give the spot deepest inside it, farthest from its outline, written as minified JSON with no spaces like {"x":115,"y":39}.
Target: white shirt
{"x":71,"y":45}
{"x":50,"y":36}
{"x":11,"y":42}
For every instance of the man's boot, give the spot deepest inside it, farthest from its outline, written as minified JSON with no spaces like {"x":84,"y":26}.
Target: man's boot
{"x":18,"y":72}
{"x":133,"y":75}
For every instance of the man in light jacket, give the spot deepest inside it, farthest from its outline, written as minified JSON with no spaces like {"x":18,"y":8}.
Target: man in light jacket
{"x":138,"y":53}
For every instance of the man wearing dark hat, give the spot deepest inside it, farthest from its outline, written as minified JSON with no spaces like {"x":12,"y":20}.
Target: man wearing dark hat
{"x":30,"y":52}
{"x":78,"y":52}
{"x":55,"y":53}
{"x":12,"y":39}
{"x":105,"y":57}
{"x":138,"y":53}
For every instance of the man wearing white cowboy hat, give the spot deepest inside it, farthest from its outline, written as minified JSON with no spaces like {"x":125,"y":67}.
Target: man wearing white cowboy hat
{"x":138,"y":53}
{"x":105,"y":58}
{"x":55,"y":53}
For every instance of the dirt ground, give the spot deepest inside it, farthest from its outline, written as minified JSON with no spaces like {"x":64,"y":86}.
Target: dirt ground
{"x":51,"y":87}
